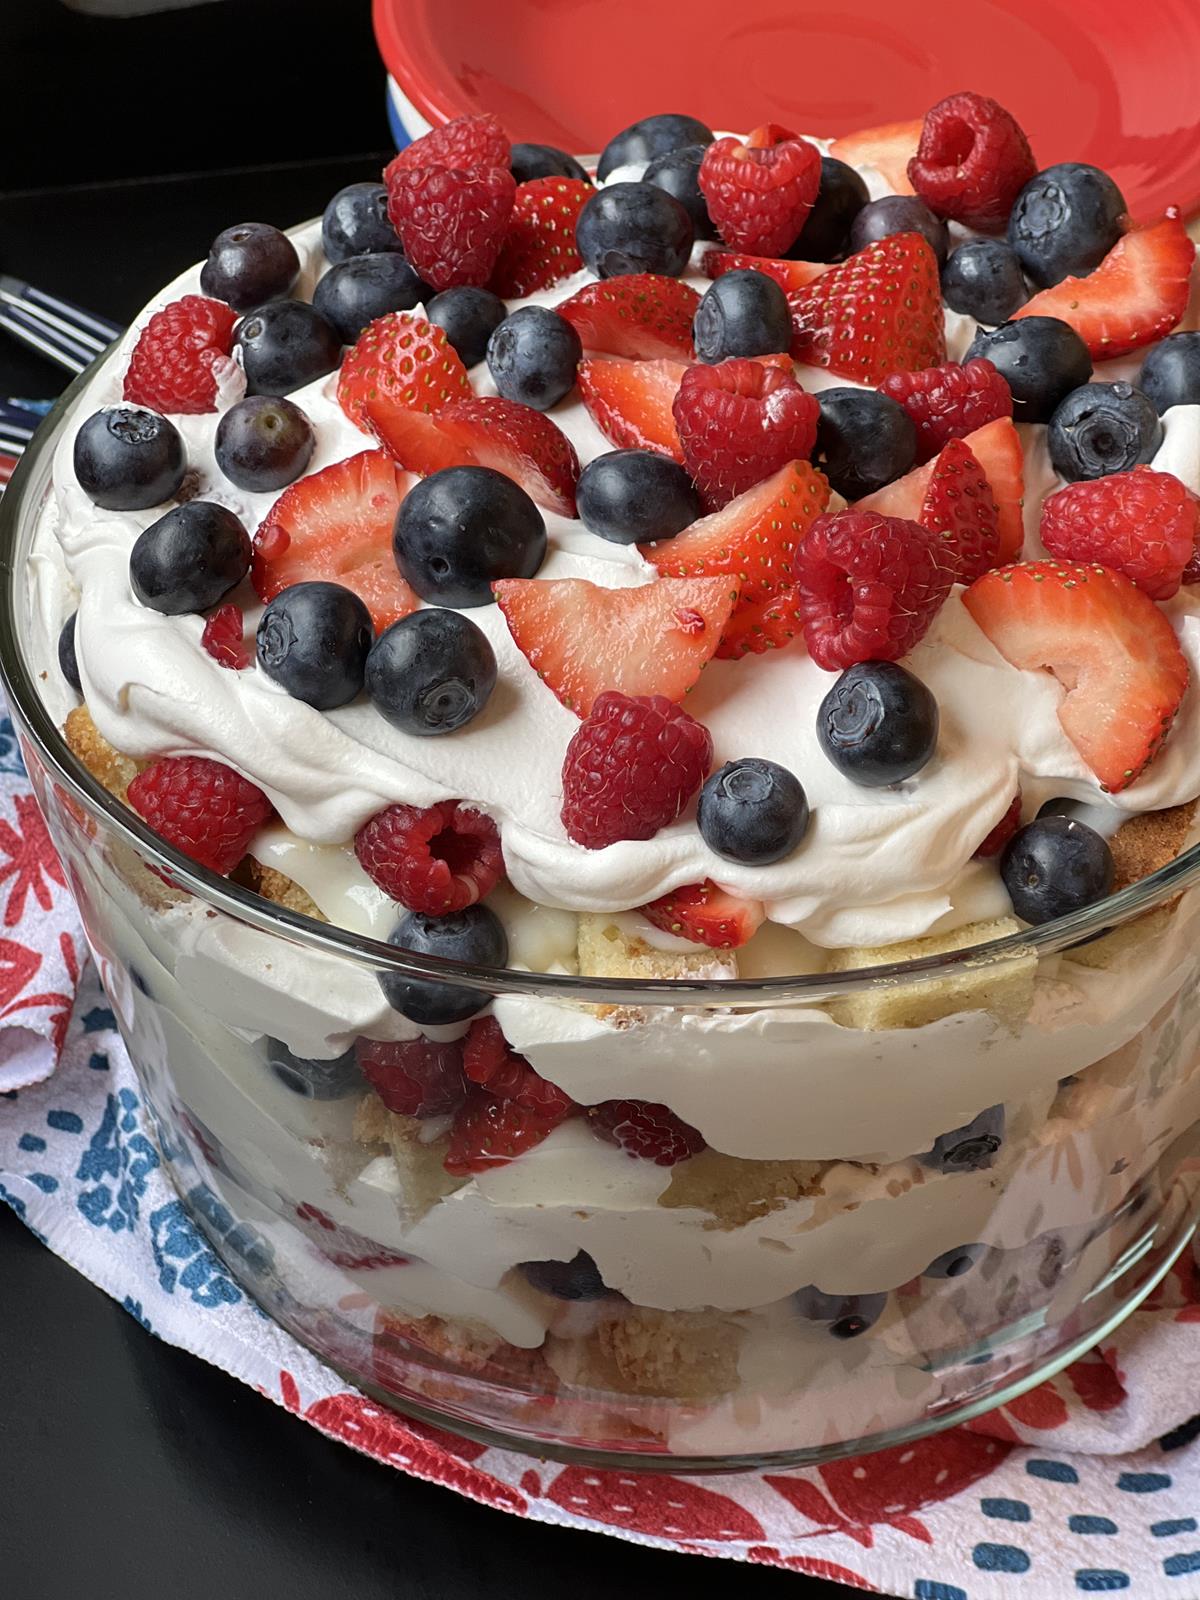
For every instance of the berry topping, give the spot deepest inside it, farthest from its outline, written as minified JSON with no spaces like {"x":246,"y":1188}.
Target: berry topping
{"x":490,"y":1131}
{"x":539,"y":248}
{"x":336,"y":524}
{"x":744,"y":313}
{"x":284,"y":345}
{"x":1040,"y":358}
{"x":582,"y":639}
{"x":327,"y":1078}
{"x":224,"y":638}
{"x":899,"y":213}
{"x":1065,"y":221}
{"x":869,"y":587}
{"x":357,"y":292}
{"x":629,"y":496}
{"x":972,"y":162}
{"x":678,"y":172}
{"x":878,"y":724}
{"x":182,"y":357}
{"x":468,"y":317}
{"x":752,"y":811}
{"x":760,"y":190}
{"x":1137,"y":293}
{"x":68,"y":661}
{"x":474,"y":936}
{"x":971,"y":1148}
{"x":528,"y":162}
{"x":313,"y":640}
{"x":414,"y":1077}
{"x":995,"y":841}
{"x":645,"y":1130}
{"x":631,"y":768}
{"x":761,"y":626}
{"x":630,"y":401}
{"x":706,"y":915}
{"x":264,"y":443}
{"x":789,"y":275}
{"x":864,"y":440}
{"x":1056,"y":865}
{"x":465,"y":142}
{"x":841,"y":196}
{"x":949,"y":402}
{"x":887,"y":149}
{"x":740,"y":422}
{"x":643,"y":316}
{"x":431,"y":673}
{"x":129,"y":460}
{"x":846,"y":1315}
{"x":577,"y":1279}
{"x":461,"y":529}
{"x":201,"y":807}
{"x":1115,"y":654}
{"x":484,"y":431}
{"x":1141,"y":523}
{"x":532,"y":357}
{"x":653,"y":136}
{"x":961,"y":509}
{"x":982,"y":279}
{"x":356,"y":223}
{"x":249,"y":264}
{"x":451,"y":220}
{"x":404,"y":359}
{"x":878,"y":312}
{"x":634,"y":228}
{"x":1170,"y":375}
{"x":189,"y":558}
{"x":1102,"y":428}
{"x":956,"y":1262}
{"x":438,"y":859}
{"x":490,"y":1061}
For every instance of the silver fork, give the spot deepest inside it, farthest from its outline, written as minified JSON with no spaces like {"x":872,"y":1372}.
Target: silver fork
{"x":58,"y":329}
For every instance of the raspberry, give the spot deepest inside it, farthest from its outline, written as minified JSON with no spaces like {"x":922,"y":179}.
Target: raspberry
{"x":760,"y":190}
{"x":949,"y":402}
{"x":203,"y":808}
{"x":511,"y":1113}
{"x":740,"y":421}
{"x":451,"y":221}
{"x":1141,"y":523}
{"x":182,"y":357}
{"x":465,"y":142}
{"x":490,"y":1061}
{"x":972,"y":162}
{"x":633,"y":765}
{"x":224,"y":640}
{"x":1002,"y":832}
{"x":439,"y":859}
{"x":644,"y":1129}
{"x":869,"y":587}
{"x":414,"y":1077}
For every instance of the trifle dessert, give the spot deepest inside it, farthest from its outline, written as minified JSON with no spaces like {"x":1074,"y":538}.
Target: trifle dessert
{"x":738,"y":603}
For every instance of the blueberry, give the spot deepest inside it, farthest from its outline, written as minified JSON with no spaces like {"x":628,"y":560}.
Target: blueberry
{"x":532,"y":357}
{"x":250,"y":264}
{"x":357,"y":291}
{"x":752,"y":811}
{"x":847,"y":1315}
{"x":898,"y":213}
{"x":356,"y":223}
{"x":878,"y":724}
{"x":840,"y":198}
{"x":313,"y":639}
{"x":68,"y":663}
{"x":1055,"y":865}
{"x":459,"y":530}
{"x":431,"y":672}
{"x":1102,"y":428}
{"x":263,"y":443}
{"x":529,"y":161}
{"x":285,"y":345}
{"x":864,"y":440}
{"x":678,"y":172}
{"x":982,"y":279}
{"x":634,"y":227}
{"x":127,"y":459}
{"x":641,"y":141}
{"x":468,"y":317}
{"x":954,"y":1263}
{"x":971,"y":1148}
{"x":743,"y":313}
{"x":332,"y":1079}
{"x":475,"y":935}
{"x":631,"y":496}
{"x":1040,"y":358}
{"x":577,"y":1279}
{"x":189,"y":559}
{"x":1171,"y":374}
{"x":1065,"y":221}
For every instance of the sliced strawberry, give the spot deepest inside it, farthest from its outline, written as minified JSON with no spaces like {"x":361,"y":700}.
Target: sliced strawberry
{"x":706,"y":915}
{"x":751,"y":540}
{"x":766,"y":625}
{"x":1137,"y":293}
{"x":630,"y":402}
{"x":485,"y":431}
{"x":539,"y":248}
{"x":876,"y":313}
{"x":788,"y":274}
{"x":336,"y":525}
{"x":582,"y":639}
{"x":959,"y":505}
{"x":409,"y":360}
{"x":888,"y":149}
{"x":1111,"y":648}
{"x":644,"y":316}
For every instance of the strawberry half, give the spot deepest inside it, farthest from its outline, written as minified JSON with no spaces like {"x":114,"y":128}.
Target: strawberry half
{"x":630,"y":402}
{"x":878,"y":312}
{"x":404,"y":358}
{"x":336,"y":525}
{"x":765,"y":625}
{"x":643,"y":315}
{"x":790,"y":275}
{"x":960,"y":507}
{"x":888,"y":149}
{"x":582,"y":639}
{"x":1137,"y":293}
{"x":1111,"y":648}
{"x":539,"y":248}
{"x":706,"y":915}
{"x":485,"y":431}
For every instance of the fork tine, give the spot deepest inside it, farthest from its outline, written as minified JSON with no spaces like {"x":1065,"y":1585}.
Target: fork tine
{"x":47,"y":341}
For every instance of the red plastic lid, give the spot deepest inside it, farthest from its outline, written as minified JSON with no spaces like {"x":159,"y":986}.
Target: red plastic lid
{"x":1111,"y":82}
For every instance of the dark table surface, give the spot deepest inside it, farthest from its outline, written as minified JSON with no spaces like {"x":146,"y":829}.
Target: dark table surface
{"x":129,"y":1468}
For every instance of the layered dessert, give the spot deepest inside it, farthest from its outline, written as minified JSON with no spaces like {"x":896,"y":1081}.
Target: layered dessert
{"x":762,"y":558}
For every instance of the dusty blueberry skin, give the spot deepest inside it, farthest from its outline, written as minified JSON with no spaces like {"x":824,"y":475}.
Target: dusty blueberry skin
{"x":878,"y":725}
{"x":1065,"y":221}
{"x":264,"y":443}
{"x":653,"y":136}
{"x":983,"y":279}
{"x":468,"y":317}
{"x":1102,"y":428}
{"x":249,"y":264}
{"x":842,"y":194}
{"x":529,"y":161}
{"x":1170,"y":375}
{"x":634,"y":227}
{"x":678,"y":172}
{"x":1040,"y":358}
{"x":285,"y":345}
{"x":533,"y":356}
{"x":313,"y":640}
{"x":459,"y":530}
{"x":898,"y":213}
{"x":971,"y":1148}
{"x":577,"y":1279}
{"x":864,"y":440}
{"x":189,"y":559}
{"x":752,"y":811}
{"x":846,"y":1315}
{"x":1055,"y":865}
{"x":356,"y":223}
{"x":431,"y":673}
{"x":475,"y":935}
{"x":955,"y":1263}
{"x":68,"y":662}
{"x":636,"y":497}
{"x":315,"y":1079}
{"x":355,"y":292}
{"x":744,"y":313}
{"x":128,"y":459}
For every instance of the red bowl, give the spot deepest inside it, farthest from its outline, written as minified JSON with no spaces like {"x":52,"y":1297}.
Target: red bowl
{"x":1106,"y":81}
